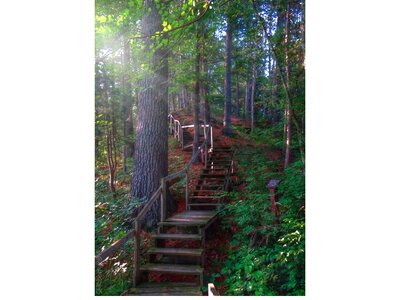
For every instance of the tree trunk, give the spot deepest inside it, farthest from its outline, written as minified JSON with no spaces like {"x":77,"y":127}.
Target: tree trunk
{"x":253,"y":89}
{"x":247,"y":102}
{"x":237,"y":96}
{"x":151,"y":147}
{"x":205,"y":106}
{"x":127,"y":90}
{"x":228,"y":72}
{"x":288,"y":108}
{"x":196,"y":96}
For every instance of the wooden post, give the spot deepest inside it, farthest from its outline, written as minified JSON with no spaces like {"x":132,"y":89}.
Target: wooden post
{"x":187,"y":189}
{"x":212,"y":142}
{"x":181,"y":131}
{"x":136,"y":254}
{"x":163,"y":205}
{"x":271,"y":187}
{"x":205,"y":152}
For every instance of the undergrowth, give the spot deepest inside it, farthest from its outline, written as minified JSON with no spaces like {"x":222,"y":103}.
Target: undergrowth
{"x":266,"y":256}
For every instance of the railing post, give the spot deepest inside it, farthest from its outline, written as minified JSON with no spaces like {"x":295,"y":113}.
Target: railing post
{"x":187,"y":189}
{"x":205,"y":152}
{"x":163,"y":205}
{"x":271,"y":187}
{"x":136,"y":254}
{"x":212,"y":142}
{"x":175,"y":129}
{"x":182,"y":141}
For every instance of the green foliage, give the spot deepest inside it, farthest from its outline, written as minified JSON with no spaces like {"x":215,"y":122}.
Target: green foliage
{"x":113,"y":276}
{"x":292,"y":190}
{"x":265,"y":258}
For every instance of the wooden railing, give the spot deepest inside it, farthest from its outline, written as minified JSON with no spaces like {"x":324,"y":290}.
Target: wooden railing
{"x":176,"y":128}
{"x":160,"y":193}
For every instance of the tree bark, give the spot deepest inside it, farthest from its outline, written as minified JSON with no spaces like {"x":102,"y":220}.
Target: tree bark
{"x":253,"y":89}
{"x":228,"y":72}
{"x":151,"y":147}
{"x":288,"y":108}
{"x":205,"y":106}
{"x":237,"y":96}
{"x":196,"y":95}
{"x":247,"y":102}
{"x":127,"y":90}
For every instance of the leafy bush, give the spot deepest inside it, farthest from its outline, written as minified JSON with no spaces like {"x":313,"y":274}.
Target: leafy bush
{"x":266,"y":258}
{"x":114,"y":275}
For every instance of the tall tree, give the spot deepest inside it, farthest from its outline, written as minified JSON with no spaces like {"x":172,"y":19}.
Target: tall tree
{"x":228,"y":75}
{"x":288,"y":109}
{"x":127,"y":113}
{"x":253,"y":89}
{"x":205,"y":105}
{"x":247,"y":102}
{"x":196,"y":94}
{"x":151,"y":147}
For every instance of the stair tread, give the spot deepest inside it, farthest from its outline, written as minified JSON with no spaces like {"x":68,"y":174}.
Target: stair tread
{"x":177,"y":251}
{"x":173,"y":268}
{"x":213,"y":175}
{"x":177,"y":236}
{"x":165,"y":289}
{"x":211,"y":160}
{"x":214,"y":191}
{"x":220,"y":187}
{"x":204,"y":204}
{"x":167,"y":284}
{"x":207,"y":196}
{"x":182,"y":223}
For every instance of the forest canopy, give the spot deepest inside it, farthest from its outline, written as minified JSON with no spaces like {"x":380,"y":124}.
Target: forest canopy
{"x":234,"y":64}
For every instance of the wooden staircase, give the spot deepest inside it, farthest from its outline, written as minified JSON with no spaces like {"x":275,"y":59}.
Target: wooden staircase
{"x":179,"y":241}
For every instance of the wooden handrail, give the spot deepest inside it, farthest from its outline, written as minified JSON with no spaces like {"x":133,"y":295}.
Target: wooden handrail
{"x":113,"y":248}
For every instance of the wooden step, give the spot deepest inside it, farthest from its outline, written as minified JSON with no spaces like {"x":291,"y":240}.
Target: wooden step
{"x":187,"y":223}
{"x":219,"y":178}
{"x":177,"y":236}
{"x":176,"y":251}
{"x":211,"y":197}
{"x":218,"y":164}
{"x":165,"y":289}
{"x":174,"y":269}
{"x":208,"y":192}
{"x":212,"y":180}
{"x":204,"y":204}
{"x":212,"y":175}
{"x":222,"y":150}
{"x":216,"y":186}
{"x":211,"y":160}
{"x":226,"y":154}
{"x":213,"y":169}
